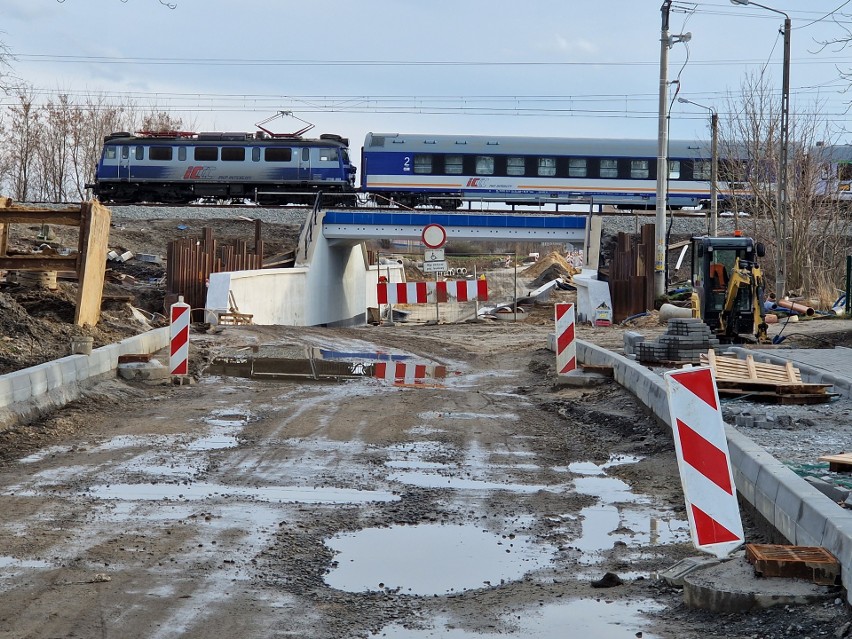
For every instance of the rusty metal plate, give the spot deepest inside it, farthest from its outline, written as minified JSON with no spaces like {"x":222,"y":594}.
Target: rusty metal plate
{"x":809,"y":563}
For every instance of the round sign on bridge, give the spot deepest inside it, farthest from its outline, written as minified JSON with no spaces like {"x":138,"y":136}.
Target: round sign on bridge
{"x":434,"y":236}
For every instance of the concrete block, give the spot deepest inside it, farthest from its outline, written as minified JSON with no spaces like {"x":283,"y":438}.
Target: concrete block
{"x":21,"y":389}
{"x":744,"y":485}
{"x":834,"y":493}
{"x":551,"y":342}
{"x":38,"y":379}
{"x":68,"y":369}
{"x":54,"y":375}
{"x":143,"y":371}
{"x":81,"y":363}
{"x":7,"y":393}
{"x":100,"y":362}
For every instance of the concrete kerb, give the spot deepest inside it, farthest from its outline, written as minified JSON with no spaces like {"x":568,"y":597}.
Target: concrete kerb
{"x":796,"y":509}
{"x":26,"y":393}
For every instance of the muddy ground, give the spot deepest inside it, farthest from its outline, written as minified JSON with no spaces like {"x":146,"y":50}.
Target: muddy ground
{"x":253,"y":508}
{"x":214,"y":509}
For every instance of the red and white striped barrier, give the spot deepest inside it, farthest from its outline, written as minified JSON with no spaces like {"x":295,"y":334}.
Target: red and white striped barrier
{"x":179,"y":338}
{"x":704,"y":461}
{"x":429,"y":292}
{"x":408,"y":374}
{"x":566,"y":347}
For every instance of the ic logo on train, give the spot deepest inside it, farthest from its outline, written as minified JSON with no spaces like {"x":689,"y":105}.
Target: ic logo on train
{"x":198,"y":172}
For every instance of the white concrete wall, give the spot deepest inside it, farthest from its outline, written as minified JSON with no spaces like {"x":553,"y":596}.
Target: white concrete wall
{"x":334,"y":289}
{"x":275,"y":296}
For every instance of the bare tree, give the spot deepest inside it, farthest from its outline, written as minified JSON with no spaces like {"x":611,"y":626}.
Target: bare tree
{"x":817,"y":229}
{"x":19,"y":144}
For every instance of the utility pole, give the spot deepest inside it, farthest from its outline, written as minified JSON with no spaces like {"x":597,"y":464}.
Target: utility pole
{"x":666,"y":42}
{"x":662,"y":159}
{"x":714,"y":165}
{"x":782,"y":197}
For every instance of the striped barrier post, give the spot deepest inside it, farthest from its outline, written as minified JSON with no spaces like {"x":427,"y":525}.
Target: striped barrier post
{"x":704,"y":461}
{"x":409,"y":374}
{"x":428,"y":292}
{"x":179,"y":338}
{"x":566,"y":346}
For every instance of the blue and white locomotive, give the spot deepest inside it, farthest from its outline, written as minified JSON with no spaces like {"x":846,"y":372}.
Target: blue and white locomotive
{"x":444,"y":170}
{"x":181,"y":167}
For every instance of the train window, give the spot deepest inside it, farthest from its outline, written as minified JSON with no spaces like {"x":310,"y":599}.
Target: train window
{"x":255,"y":154}
{"x":577,"y":167}
{"x":109,"y":153}
{"x":702,"y":170}
{"x":278,"y":154}
{"x":125,"y":152}
{"x":485,"y":165}
{"x":844,"y":171}
{"x":140,"y":152}
{"x":609,"y":168}
{"x":306,"y":154}
{"x":422,"y":163}
{"x":639,"y":169}
{"x":674,"y":169}
{"x":329,"y":155}
{"x":453,"y":165}
{"x":182,"y":154}
{"x":515,"y":166}
{"x":233,"y":154}
{"x":547,"y":167}
{"x":206,"y":153}
{"x":160,"y":153}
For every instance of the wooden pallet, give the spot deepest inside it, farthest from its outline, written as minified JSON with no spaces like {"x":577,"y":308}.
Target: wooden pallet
{"x":840,"y":463}
{"x":761,"y":382}
{"x":234,"y":319}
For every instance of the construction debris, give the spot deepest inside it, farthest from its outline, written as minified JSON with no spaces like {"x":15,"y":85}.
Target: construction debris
{"x":762,"y":382}
{"x":840,"y":463}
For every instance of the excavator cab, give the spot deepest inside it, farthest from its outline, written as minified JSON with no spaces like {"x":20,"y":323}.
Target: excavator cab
{"x":729,"y":284}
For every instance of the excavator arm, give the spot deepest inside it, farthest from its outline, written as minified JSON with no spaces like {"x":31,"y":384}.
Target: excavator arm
{"x":746,"y":275}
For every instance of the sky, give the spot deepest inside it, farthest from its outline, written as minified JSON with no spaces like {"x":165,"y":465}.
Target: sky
{"x":556,"y":68}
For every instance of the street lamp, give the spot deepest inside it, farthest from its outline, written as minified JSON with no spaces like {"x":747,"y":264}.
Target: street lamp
{"x":782,"y":199}
{"x":714,"y":164}
{"x":666,"y":42}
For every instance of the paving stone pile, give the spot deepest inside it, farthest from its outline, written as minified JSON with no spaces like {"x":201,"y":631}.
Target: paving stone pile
{"x":684,"y":340}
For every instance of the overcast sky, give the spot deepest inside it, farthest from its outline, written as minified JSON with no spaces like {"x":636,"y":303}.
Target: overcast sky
{"x":568,"y":68}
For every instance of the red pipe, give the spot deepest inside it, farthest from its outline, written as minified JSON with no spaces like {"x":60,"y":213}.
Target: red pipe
{"x":799,"y":308}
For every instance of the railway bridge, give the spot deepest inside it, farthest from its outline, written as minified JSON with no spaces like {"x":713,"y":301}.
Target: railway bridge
{"x":331,"y":282}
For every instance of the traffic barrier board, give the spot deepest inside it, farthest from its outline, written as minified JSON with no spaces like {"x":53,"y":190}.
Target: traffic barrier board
{"x":566,"y":347}
{"x":179,"y":338}
{"x":704,"y":461}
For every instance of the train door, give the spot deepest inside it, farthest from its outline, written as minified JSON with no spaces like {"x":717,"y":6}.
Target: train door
{"x":305,"y":164}
{"x":124,"y":163}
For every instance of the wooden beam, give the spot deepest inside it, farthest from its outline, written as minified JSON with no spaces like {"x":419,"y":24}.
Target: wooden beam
{"x":67,"y":217}
{"x":94,"y":241}
{"x":38,"y":263}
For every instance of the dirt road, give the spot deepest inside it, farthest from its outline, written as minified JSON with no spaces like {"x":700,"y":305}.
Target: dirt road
{"x":248,"y":508}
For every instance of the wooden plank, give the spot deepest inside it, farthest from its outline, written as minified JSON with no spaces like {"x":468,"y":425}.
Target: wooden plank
{"x":94,"y":245}
{"x":39,"y":263}
{"x":840,"y":463}
{"x":16,"y":215}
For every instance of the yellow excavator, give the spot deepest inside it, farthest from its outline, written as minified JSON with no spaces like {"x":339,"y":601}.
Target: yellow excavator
{"x":727,"y":285}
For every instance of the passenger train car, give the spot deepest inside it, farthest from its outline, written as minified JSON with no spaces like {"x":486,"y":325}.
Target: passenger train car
{"x":181,"y":167}
{"x":444,"y":170}
{"x":835,"y":173}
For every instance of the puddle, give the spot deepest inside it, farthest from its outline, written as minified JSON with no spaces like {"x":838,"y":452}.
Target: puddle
{"x":273,"y":494}
{"x":604,"y":525}
{"x":594,"y":618}
{"x":433,"y":415}
{"x":317,"y":363}
{"x":448,"y":559}
{"x":14,"y":562}
{"x":434,"y":480}
{"x":608,"y":489}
